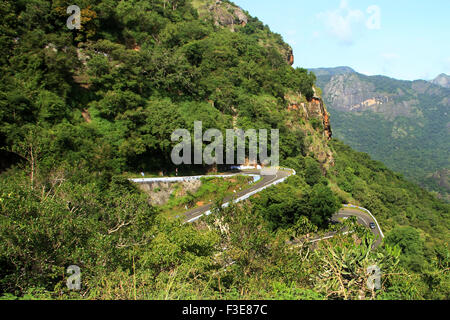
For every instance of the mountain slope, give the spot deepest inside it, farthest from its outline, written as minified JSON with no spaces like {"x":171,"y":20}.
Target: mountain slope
{"x":323,"y":72}
{"x":82,"y":111}
{"x":405,"y":124}
{"x":442,"y":80}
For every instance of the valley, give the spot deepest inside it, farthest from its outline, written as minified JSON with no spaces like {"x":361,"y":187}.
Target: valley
{"x":405,"y":124}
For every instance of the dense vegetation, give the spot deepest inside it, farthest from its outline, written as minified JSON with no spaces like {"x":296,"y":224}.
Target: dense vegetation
{"x":409,"y":133}
{"x":405,"y":210}
{"x":403,"y":154}
{"x":79,"y":109}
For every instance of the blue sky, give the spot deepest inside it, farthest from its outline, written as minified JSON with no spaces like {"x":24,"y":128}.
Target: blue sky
{"x":403,"y":39}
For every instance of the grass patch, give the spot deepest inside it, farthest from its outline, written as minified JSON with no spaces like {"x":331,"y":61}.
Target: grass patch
{"x":211,"y":190}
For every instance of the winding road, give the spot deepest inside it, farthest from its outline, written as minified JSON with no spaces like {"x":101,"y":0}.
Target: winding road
{"x":263,"y":183}
{"x":363,"y":216}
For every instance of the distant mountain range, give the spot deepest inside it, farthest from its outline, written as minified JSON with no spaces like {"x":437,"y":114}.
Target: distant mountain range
{"x":442,"y":80}
{"x":405,"y":124}
{"x":332,"y":71}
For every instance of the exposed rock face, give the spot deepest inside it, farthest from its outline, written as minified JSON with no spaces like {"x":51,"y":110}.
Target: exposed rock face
{"x":86,"y":115}
{"x":352,"y":92}
{"x":314,"y":109}
{"x":230,"y":16}
{"x":405,"y":124}
{"x":227,"y":15}
{"x":241,"y":16}
{"x":290,"y":57}
{"x":317,"y":141}
{"x":159,"y":192}
{"x":332,"y":71}
{"x":348,"y":93}
{"x":442,"y":80}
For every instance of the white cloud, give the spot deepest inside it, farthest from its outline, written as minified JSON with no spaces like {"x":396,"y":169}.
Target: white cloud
{"x":342,"y":22}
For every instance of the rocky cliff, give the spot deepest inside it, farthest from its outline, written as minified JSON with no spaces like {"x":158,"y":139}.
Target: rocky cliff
{"x":357,"y":93}
{"x":442,"y":80}
{"x":405,"y":124}
{"x":315,"y":121}
{"x":309,"y":110}
{"x":225,"y":14}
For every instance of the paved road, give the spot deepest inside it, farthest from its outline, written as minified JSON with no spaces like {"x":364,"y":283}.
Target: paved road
{"x":265,"y":181}
{"x":363,"y":218}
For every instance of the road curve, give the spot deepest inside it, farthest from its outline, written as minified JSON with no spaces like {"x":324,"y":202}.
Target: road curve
{"x":265,"y":182}
{"x":363,"y":216}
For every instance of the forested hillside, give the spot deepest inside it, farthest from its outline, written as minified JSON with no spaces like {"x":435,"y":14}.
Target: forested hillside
{"x":82,"y":110}
{"x":405,"y":124}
